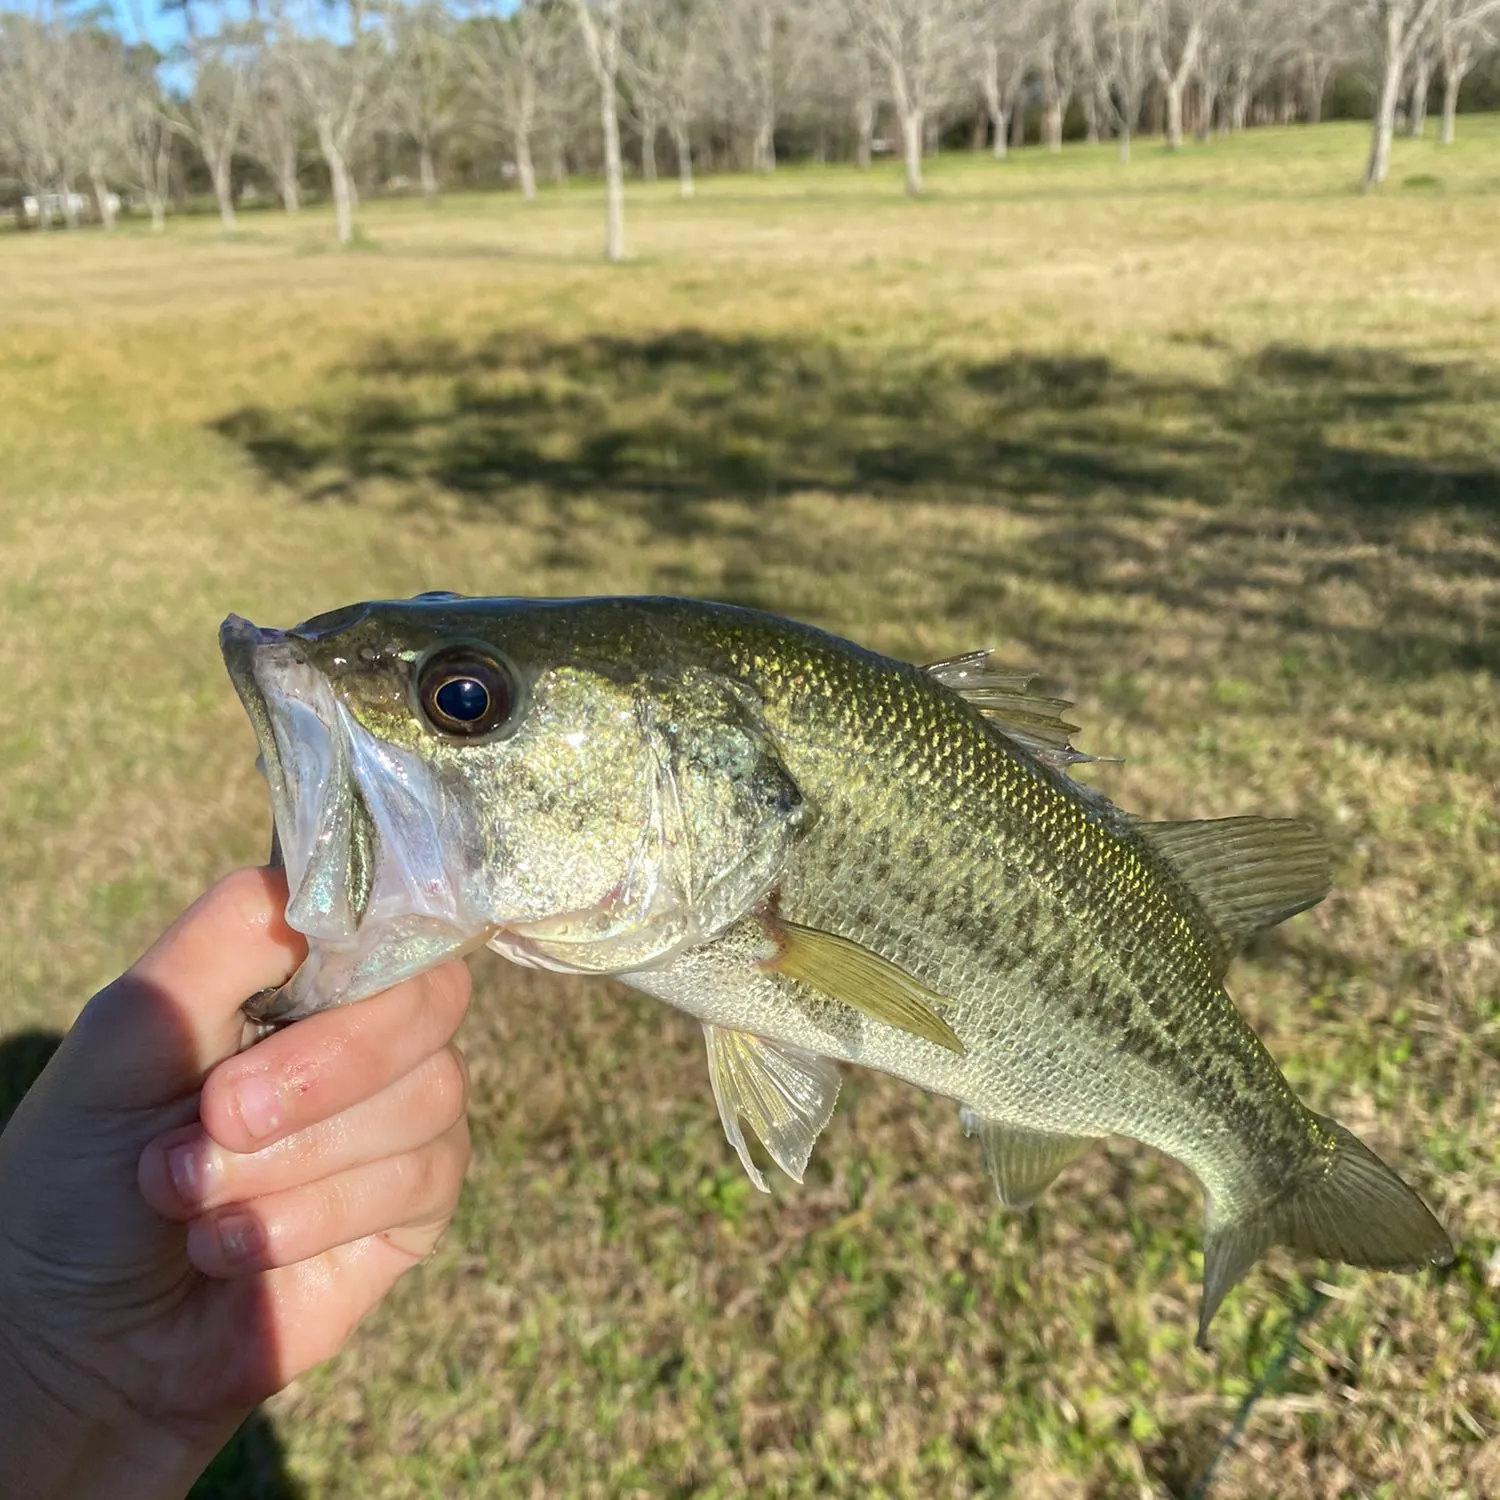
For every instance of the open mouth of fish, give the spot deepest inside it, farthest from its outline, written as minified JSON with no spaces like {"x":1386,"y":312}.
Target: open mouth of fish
{"x":357,"y":823}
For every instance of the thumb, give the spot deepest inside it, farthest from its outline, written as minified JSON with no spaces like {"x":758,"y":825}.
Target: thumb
{"x":152,"y":1035}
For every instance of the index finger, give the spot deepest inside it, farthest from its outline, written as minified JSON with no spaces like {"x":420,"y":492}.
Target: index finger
{"x":156,"y":1031}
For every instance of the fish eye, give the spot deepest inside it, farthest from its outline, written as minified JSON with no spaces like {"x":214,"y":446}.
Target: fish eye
{"x":465,"y":693}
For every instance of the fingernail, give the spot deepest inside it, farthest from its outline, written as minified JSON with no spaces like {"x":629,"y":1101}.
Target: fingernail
{"x":194,"y":1169}
{"x":238,"y":1238}
{"x":258,"y":1100}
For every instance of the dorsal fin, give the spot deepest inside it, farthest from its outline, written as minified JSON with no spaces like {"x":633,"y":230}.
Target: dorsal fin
{"x":1004,"y":697}
{"x":1247,"y":873}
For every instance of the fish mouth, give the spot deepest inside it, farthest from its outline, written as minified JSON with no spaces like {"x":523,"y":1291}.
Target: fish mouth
{"x":359,"y":824}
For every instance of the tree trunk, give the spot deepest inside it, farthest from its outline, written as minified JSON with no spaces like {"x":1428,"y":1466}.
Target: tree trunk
{"x":683,"y":142}
{"x":1124,"y":141}
{"x":339,"y":180}
{"x":70,"y":209}
{"x":1386,"y":100}
{"x":427,"y":171}
{"x":525,"y":169}
{"x":224,"y":191}
{"x":614,"y":176}
{"x":1239,"y":108}
{"x":1208,"y":100}
{"x":932,"y":137}
{"x":1421,"y":86}
{"x":557,"y":158}
{"x":286,"y":176}
{"x":158,"y":207}
{"x":1000,"y":128}
{"x":1091,"y":119}
{"x":911,"y":141}
{"x":1173,"y":91}
{"x":102,"y":201}
{"x":765,"y":125}
{"x":648,"y":148}
{"x":1452,"y":81}
{"x":1052,"y":123}
{"x":864,"y":128}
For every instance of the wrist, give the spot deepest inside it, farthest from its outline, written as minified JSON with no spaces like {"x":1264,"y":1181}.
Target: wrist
{"x":62,"y":1440}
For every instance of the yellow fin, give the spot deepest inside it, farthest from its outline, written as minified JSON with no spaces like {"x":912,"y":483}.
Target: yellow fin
{"x":849,"y":972}
{"x":785,"y":1093}
{"x":1021,"y":1162}
{"x":1247,"y":873}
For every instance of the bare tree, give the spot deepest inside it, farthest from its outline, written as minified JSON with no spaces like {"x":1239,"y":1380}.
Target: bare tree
{"x":275,"y":115}
{"x":1419,"y":69}
{"x":919,"y":43}
{"x":662,"y":53}
{"x":1177,"y":29}
{"x":1397,"y":27}
{"x":1464,"y":28}
{"x":599,"y":24}
{"x":1057,"y":63}
{"x":424,"y":83}
{"x":32,"y":123}
{"x":146,"y":140}
{"x":1114,"y":37}
{"x":998,"y":50}
{"x":512,"y":59}
{"x":338,"y":77}
{"x":213,"y":114}
{"x":749,"y":54}
{"x":1316,"y":41}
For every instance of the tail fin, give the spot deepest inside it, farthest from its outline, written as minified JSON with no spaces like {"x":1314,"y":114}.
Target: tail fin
{"x":1350,"y":1206}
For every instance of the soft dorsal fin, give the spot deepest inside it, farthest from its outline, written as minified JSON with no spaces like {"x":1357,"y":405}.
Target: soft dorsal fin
{"x":1021,"y":1162}
{"x":1004,"y":697}
{"x":1247,"y":873}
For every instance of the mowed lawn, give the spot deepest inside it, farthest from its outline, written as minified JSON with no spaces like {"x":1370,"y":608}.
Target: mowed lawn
{"x":1212,"y":441}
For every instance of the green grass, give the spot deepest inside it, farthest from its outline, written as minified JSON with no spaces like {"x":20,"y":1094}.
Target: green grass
{"x":1210,"y":440}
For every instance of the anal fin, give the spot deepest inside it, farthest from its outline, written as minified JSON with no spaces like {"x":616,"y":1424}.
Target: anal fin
{"x":1021,"y":1162}
{"x":785,"y":1094}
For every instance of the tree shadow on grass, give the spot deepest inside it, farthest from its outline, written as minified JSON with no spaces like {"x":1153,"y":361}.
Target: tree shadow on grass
{"x":251,"y":1466}
{"x":1291,"y":456}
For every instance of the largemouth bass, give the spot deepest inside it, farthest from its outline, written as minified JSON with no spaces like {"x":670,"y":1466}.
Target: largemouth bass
{"x":823,"y":854}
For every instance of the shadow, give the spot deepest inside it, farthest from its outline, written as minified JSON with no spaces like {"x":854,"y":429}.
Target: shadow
{"x":251,"y":1466}
{"x":1250,"y":494}
{"x":22,"y":1058}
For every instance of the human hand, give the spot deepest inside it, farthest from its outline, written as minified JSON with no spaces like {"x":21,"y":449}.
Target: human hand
{"x":184,"y":1227}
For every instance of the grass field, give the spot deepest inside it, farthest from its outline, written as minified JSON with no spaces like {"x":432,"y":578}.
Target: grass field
{"x":1211,"y":440}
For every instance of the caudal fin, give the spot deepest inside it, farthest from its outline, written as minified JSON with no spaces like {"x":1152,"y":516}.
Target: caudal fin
{"x":1350,"y":1207}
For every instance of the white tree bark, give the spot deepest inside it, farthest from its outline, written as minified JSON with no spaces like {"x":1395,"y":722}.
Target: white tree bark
{"x":1173,"y":72}
{"x":1398,"y":26}
{"x":599,"y":24}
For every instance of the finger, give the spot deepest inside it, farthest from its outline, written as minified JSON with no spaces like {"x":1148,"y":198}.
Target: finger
{"x":154,"y":1032}
{"x":408,"y":1197}
{"x":324,"y":1065}
{"x":186,"y":1172}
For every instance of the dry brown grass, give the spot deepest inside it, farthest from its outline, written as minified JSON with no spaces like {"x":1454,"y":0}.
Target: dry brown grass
{"x":1212,"y":443}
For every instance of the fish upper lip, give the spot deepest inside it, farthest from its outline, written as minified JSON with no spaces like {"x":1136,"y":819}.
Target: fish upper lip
{"x":242,"y":643}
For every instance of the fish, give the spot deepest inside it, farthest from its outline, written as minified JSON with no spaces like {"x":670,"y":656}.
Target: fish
{"x":826,"y":856}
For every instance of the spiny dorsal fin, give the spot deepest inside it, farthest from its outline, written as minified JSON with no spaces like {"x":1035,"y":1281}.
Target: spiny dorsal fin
{"x":849,"y":972}
{"x":1247,"y":873}
{"x":1021,"y":1162}
{"x":1028,"y":719}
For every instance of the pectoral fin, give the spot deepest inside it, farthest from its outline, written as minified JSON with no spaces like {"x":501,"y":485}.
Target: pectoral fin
{"x":786,"y":1095}
{"x":849,"y":972}
{"x":1022,"y":1162}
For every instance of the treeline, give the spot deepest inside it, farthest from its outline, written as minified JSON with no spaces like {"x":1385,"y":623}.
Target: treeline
{"x":270,"y":97}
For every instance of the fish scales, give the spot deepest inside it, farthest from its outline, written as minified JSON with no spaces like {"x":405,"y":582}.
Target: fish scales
{"x":826,"y":856}
{"x":1103,"y":971}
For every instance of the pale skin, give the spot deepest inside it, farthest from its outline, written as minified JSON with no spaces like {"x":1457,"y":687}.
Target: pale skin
{"x":186,"y":1227}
